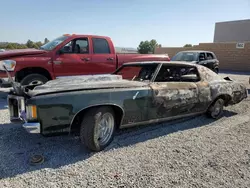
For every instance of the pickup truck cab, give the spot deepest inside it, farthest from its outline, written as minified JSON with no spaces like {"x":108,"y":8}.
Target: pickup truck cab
{"x":68,"y":55}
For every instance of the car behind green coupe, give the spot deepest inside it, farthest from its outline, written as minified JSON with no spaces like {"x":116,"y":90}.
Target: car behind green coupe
{"x":95,"y":106}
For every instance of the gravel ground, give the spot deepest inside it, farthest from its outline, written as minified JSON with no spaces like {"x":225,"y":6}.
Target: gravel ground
{"x":197,"y":152}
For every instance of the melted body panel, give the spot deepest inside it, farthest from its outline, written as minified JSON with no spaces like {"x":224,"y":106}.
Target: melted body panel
{"x":59,"y":101}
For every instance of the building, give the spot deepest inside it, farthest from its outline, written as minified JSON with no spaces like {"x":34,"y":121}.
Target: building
{"x":232,"y":31}
{"x":231,"y":45}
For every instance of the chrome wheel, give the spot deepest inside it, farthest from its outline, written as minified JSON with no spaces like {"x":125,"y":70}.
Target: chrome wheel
{"x":105,"y":128}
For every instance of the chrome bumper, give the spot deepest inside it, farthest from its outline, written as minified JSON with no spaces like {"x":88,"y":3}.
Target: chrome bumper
{"x":16,"y":108}
{"x":32,"y":127}
{"x":17,"y":112}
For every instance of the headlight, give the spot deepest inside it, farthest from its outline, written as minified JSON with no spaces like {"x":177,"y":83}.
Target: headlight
{"x":9,"y":64}
{"x":31,"y":112}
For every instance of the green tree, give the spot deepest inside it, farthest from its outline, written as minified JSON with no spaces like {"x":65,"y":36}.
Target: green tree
{"x":187,"y":45}
{"x":35,"y":46}
{"x":153,"y":44}
{"x":30,"y":44}
{"x":144,"y":47}
{"x":9,"y":46}
{"x":39,"y":44}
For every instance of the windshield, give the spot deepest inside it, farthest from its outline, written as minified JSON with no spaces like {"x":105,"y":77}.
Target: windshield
{"x":139,"y":72}
{"x":52,"y":44}
{"x":185,"y":56}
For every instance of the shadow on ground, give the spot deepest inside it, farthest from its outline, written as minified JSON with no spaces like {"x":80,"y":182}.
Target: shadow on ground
{"x":16,"y":145}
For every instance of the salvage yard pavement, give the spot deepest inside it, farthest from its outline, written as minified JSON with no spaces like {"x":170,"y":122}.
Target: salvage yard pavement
{"x":198,"y":152}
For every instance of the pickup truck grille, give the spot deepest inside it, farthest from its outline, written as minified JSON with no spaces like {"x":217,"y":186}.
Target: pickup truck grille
{"x":16,"y":107}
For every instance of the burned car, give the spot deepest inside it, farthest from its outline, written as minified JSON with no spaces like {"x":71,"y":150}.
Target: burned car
{"x":95,"y":106}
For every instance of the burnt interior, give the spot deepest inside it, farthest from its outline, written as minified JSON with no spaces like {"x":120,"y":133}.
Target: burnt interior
{"x":177,"y":74}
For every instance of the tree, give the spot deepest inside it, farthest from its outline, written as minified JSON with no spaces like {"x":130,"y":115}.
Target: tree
{"x":153,"y":44}
{"x":39,"y":44}
{"x":9,"y":46}
{"x":30,"y":44}
{"x":187,"y":45}
{"x":46,"y":41}
{"x":144,"y":47}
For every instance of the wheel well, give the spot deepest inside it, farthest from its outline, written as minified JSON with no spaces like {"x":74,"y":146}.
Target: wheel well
{"x":225,"y":97}
{"x":76,"y":123}
{"x":32,"y":70}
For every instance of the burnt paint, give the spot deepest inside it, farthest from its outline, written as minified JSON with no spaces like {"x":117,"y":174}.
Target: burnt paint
{"x":139,"y":103}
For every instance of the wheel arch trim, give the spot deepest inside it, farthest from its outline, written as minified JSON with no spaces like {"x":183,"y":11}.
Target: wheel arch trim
{"x":97,"y":105}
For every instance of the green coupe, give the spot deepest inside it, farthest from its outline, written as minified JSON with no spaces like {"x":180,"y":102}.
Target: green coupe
{"x":95,"y":106}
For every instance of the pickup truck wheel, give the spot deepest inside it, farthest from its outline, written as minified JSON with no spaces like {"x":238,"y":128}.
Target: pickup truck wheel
{"x":215,"y":111}
{"x":216,"y":70}
{"x":33,"y":79}
{"x":97,"y":128}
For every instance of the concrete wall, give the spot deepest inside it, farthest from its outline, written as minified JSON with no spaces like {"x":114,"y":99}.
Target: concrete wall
{"x":232,"y":31}
{"x":230,"y":57}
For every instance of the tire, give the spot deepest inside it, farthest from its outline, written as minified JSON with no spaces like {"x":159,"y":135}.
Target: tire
{"x":215,"y":111}
{"x":216,"y":70}
{"x":89,"y":128}
{"x":33,"y":79}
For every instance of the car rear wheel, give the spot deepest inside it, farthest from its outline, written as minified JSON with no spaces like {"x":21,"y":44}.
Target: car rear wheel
{"x":215,"y":111}
{"x":97,"y":128}
{"x":34,"y":79}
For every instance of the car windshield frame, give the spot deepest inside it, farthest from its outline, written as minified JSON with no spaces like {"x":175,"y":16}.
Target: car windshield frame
{"x":179,"y":56}
{"x":54,"y":43}
{"x":154,"y":74}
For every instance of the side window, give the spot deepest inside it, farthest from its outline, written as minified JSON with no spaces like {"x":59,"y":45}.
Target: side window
{"x":202,"y":57}
{"x":78,"y":46}
{"x":82,"y":46}
{"x":177,"y":74}
{"x":100,"y":46}
{"x":210,"y":56}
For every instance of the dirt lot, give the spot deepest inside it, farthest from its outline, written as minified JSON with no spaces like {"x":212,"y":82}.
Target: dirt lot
{"x":198,"y":152}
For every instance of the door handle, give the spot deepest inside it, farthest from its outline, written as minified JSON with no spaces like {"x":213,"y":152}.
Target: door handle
{"x":85,"y":59}
{"x":57,"y":62}
{"x":110,"y":58}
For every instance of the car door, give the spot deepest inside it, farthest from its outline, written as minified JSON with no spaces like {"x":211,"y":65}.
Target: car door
{"x":174,"y":92}
{"x":210,"y":60}
{"x":73,"y":59}
{"x":103,"y":59}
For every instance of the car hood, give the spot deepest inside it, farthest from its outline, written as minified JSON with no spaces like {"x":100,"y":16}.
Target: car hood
{"x":20,"y":52}
{"x":86,"y":82}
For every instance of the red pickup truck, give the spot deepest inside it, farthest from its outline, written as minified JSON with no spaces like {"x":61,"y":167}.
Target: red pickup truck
{"x":68,"y":55}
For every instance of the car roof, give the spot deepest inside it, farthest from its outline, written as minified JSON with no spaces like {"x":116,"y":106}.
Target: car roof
{"x":161,"y":62}
{"x":197,"y":51}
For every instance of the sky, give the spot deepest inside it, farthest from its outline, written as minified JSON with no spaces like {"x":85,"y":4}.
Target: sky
{"x":172,"y":23}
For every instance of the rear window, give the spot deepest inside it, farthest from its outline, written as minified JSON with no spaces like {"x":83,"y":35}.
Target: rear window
{"x":185,"y":56}
{"x":137,"y":72}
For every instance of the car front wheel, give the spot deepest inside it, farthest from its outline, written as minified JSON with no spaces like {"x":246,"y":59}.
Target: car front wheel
{"x":97,"y":128}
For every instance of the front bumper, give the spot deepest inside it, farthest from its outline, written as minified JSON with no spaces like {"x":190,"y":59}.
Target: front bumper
{"x":33,"y":128}
{"x":17,"y":112}
{"x":16,"y":108}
